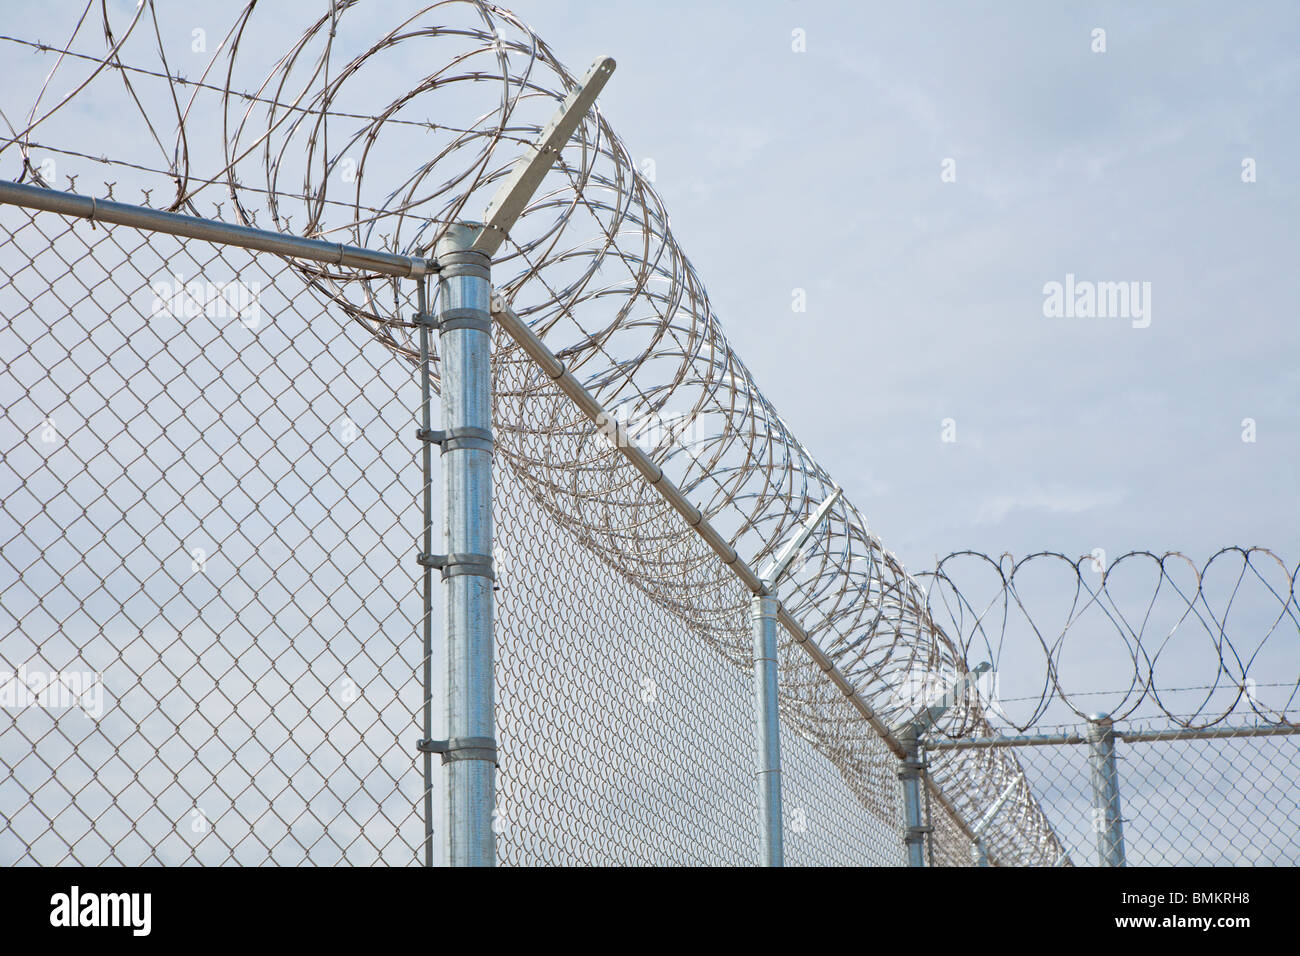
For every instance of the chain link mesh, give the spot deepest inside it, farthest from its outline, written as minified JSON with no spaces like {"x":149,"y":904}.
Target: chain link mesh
{"x":947,"y":845}
{"x":208,"y":518}
{"x":1225,"y":801}
{"x":213,"y":512}
{"x":206,"y":507}
{"x":627,"y":713}
{"x":220,"y":529}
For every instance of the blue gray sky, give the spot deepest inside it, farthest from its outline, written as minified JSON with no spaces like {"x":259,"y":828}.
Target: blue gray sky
{"x":821,"y":170}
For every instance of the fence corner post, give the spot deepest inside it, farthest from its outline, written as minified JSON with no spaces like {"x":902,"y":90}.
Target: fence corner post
{"x":464,"y":337}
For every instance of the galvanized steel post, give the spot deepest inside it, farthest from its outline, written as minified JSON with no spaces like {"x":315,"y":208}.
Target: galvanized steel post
{"x":464,"y":336}
{"x":464,"y":257}
{"x":913,"y":821}
{"x":762,"y":609}
{"x":1106,"y":820}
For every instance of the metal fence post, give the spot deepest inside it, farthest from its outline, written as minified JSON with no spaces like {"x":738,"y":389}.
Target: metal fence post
{"x":762,"y":609}
{"x":464,"y":337}
{"x":1106,"y":820}
{"x":914,"y":828}
{"x":464,"y":257}
{"x":909,"y":736}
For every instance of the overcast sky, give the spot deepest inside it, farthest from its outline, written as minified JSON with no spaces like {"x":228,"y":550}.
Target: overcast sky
{"x":919,"y":173}
{"x":804,"y":146}
{"x":821,"y":170}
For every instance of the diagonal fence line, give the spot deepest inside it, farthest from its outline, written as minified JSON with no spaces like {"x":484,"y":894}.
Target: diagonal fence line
{"x":625,"y":311}
{"x":524,"y":336}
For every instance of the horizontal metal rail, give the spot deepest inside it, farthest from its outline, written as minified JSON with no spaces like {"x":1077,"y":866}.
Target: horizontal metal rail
{"x":983,"y":743}
{"x":1209,"y":733}
{"x":209,"y":230}
{"x":1131,"y":736}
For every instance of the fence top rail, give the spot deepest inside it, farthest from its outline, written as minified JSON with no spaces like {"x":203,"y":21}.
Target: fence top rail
{"x":210,"y":230}
{"x":1130,"y":736}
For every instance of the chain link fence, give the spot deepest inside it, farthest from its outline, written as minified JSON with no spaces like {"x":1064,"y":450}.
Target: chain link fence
{"x":209,"y":522}
{"x":211,"y":623}
{"x":1186,"y":798}
{"x":209,"y":518}
{"x":210,"y":514}
{"x":205,"y":591}
{"x":626,"y":712}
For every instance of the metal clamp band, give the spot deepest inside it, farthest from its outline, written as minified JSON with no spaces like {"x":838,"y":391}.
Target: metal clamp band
{"x":452,"y":565}
{"x":480,"y":324}
{"x":425,"y":318}
{"x":467,"y":437}
{"x":460,"y":748}
{"x":464,"y":263}
{"x":465,"y":319}
{"x":454,"y":438}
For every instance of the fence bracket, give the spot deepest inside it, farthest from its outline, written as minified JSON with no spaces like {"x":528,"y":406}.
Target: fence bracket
{"x":526,"y":176}
{"x":461,"y":748}
{"x":451,"y":439}
{"x":452,"y":565}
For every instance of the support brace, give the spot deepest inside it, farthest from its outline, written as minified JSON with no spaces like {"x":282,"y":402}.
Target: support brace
{"x":979,"y":850}
{"x":776,"y":570}
{"x":519,"y":186}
